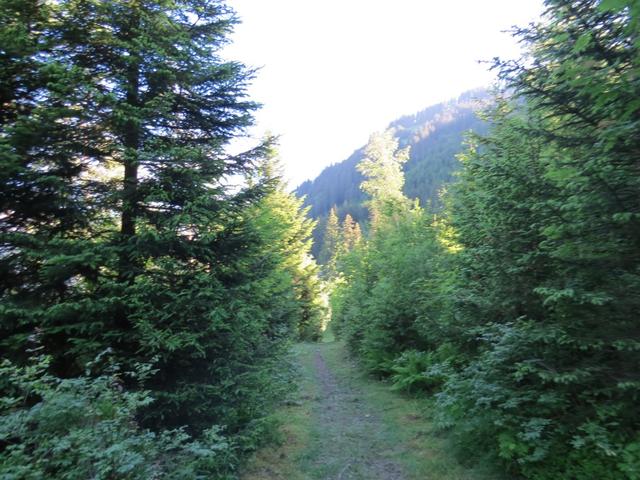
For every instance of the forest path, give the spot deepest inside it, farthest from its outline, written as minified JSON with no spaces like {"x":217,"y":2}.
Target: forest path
{"x":352,"y":442}
{"x":344,"y":425}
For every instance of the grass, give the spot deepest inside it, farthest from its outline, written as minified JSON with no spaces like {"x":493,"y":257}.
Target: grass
{"x":403,"y":434}
{"x":423,"y":452}
{"x":282,"y":460}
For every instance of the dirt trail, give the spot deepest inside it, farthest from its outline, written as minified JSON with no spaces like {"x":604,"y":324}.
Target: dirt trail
{"x":351,"y":440}
{"x":342,"y":425}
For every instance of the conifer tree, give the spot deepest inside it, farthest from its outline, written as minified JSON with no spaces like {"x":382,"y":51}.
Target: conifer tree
{"x":330,"y":244}
{"x":377,"y":307}
{"x":382,"y":168}
{"x":351,"y":233}
{"x":546,"y":214}
{"x":119,"y":228}
{"x":286,"y":231}
{"x":357,"y":234}
{"x":49,"y":147}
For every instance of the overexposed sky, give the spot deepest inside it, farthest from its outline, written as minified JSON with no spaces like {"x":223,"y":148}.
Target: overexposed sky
{"x":334,"y":71}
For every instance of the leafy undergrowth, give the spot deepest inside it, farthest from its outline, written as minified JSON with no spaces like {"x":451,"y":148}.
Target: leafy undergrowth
{"x":401,"y":431}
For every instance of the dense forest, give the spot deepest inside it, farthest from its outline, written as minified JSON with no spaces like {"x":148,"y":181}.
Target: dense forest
{"x":434,"y":135}
{"x":482,"y":255}
{"x":151,"y":282}
{"x":515,"y":308}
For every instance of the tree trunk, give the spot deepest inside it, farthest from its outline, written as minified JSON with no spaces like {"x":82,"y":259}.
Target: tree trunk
{"x":131,"y":142}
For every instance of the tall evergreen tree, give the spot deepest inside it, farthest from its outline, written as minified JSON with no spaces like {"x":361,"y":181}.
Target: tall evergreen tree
{"x":384,"y":179}
{"x":49,"y":149}
{"x":547,"y":217}
{"x":120,"y":228}
{"x":286,"y":235}
{"x":376,"y":306}
{"x":330,"y":243}
{"x":351,"y":233}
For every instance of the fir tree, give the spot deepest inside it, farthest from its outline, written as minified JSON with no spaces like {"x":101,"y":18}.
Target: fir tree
{"x":49,"y":199}
{"x":120,"y":230}
{"x":384,"y":179}
{"x":547,"y":217}
{"x":351,"y":233}
{"x":330,"y":244}
{"x":286,"y":235}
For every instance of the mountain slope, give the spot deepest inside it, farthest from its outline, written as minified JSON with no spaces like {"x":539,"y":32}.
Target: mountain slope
{"x":435,"y":136}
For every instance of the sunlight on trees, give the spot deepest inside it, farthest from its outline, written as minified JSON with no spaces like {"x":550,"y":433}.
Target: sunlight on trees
{"x":518,"y":305}
{"x":148,"y":306}
{"x":382,"y":168}
{"x":123,"y":240}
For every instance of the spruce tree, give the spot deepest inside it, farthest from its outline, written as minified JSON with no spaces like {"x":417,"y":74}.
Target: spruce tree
{"x":547,"y":292}
{"x":330,"y":244}
{"x":351,"y":233}
{"x":120,"y":228}
{"x":384,"y":178}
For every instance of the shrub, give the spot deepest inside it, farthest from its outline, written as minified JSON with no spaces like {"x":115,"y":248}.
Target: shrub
{"x":85,"y":427}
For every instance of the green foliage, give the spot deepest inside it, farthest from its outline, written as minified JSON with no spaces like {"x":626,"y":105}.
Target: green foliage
{"x":351,"y":234}
{"x":545,"y":213}
{"x":434,"y":135}
{"x":374,"y":308}
{"x":382,"y":169}
{"x":120,"y":229}
{"x":416,"y":371}
{"x":285,"y":234}
{"x":409,"y":371}
{"x":330,"y":244}
{"x":85,"y":428}
{"x":519,"y":304}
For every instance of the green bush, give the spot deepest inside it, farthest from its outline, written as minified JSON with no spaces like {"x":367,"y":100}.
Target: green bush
{"x":85,"y":427}
{"x":409,"y":371}
{"x":415,"y":370}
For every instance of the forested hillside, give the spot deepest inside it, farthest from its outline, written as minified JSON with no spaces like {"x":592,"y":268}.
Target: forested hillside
{"x":515,"y":308}
{"x":435,"y":136}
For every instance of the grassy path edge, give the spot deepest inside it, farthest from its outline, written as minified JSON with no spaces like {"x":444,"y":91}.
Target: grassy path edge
{"x":423,"y":453}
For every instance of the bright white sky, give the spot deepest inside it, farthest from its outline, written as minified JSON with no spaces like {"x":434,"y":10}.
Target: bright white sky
{"x":334,"y":71}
